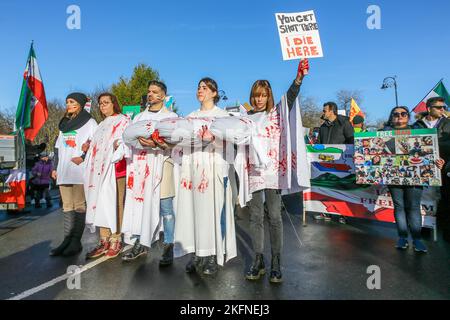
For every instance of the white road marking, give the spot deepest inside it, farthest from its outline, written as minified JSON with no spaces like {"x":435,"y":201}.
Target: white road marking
{"x":244,"y":243}
{"x":52,"y":282}
{"x":293,"y":227}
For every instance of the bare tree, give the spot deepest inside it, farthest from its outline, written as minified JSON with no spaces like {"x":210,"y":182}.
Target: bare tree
{"x":344,"y":97}
{"x":310,"y":112}
{"x":7,"y":119}
{"x":49,"y":132}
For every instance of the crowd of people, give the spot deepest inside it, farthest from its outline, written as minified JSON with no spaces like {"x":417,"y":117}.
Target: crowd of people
{"x":150,"y":190}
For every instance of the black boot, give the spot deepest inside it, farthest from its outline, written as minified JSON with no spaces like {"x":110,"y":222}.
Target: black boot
{"x":257,"y":269}
{"x":137,"y":251}
{"x":75,"y":246}
{"x":194,"y":264}
{"x":210,"y":267}
{"x":69,"y":219}
{"x":167,"y":256}
{"x":275,"y":272}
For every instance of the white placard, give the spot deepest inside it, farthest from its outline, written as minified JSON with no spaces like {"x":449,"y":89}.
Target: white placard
{"x":299,"y":35}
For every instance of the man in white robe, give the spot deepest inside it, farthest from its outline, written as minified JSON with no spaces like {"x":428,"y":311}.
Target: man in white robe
{"x":150,"y":186}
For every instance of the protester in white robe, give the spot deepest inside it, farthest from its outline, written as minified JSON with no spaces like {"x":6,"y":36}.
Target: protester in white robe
{"x":104,"y":182}
{"x":149,"y":203}
{"x":205,"y":224}
{"x":267,"y":182}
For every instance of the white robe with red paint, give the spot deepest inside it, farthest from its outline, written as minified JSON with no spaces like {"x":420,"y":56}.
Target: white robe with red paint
{"x":279,"y":134}
{"x":100,"y":178}
{"x":202,"y":199}
{"x":144,"y":174}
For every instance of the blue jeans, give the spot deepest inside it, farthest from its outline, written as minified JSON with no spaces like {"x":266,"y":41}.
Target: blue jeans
{"x":166,"y":212}
{"x":407,"y":210}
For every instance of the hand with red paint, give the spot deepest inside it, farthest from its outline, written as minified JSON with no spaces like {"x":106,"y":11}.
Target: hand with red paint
{"x":205,"y":134}
{"x":159,"y":141}
{"x":302,"y":71}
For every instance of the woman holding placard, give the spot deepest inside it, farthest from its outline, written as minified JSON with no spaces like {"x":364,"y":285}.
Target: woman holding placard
{"x":407,"y":198}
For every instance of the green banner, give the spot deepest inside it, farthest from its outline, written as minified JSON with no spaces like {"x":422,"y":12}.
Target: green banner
{"x":395,"y":133}
{"x":131,"y":111}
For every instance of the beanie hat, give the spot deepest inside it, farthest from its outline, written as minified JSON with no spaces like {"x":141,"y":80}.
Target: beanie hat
{"x":358,"y":120}
{"x":78,"y":97}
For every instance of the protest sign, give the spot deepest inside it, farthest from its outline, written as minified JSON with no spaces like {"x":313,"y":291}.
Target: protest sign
{"x":334,"y":189}
{"x":299,"y":35}
{"x":401,"y":157}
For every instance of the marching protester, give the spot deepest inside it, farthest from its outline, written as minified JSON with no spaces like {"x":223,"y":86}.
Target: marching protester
{"x":150,"y":185}
{"x":267,"y":181}
{"x":75,"y":128}
{"x":105,"y":174}
{"x":435,"y":118}
{"x":336,"y":129}
{"x":407,"y":198}
{"x":205,"y":219}
{"x":40,"y":183}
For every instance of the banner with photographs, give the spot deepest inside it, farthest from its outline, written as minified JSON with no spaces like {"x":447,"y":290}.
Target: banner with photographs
{"x":334,"y":191}
{"x":401,"y":157}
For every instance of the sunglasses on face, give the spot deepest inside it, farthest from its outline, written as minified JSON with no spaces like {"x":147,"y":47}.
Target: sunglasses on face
{"x":400,"y":114}
{"x":438,"y":107}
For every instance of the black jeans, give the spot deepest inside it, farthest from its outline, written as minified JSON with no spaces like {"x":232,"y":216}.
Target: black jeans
{"x":256,"y":208}
{"x":407,"y":210}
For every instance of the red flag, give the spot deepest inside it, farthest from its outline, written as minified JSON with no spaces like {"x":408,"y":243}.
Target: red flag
{"x":32,"y":110}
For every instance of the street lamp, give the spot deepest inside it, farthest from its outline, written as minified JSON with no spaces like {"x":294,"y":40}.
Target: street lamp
{"x":388,"y":82}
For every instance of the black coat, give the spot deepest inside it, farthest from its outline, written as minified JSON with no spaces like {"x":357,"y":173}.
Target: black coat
{"x":340,"y":131}
{"x":443,"y":131}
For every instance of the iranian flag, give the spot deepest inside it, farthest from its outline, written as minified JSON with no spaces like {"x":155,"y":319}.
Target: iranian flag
{"x":32,"y":109}
{"x":438,"y":91}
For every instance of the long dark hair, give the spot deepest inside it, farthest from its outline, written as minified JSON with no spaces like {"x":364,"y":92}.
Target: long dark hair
{"x":391,"y":114}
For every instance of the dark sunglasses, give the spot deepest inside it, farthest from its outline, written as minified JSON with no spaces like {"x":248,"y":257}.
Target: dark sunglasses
{"x":438,"y":107}
{"x":400,"y":114}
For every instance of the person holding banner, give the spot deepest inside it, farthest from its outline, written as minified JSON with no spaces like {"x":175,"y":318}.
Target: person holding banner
{"x":205,"y":220}
{"x":407,"y":198}
{"x":105,"y":174}
{"x":267,"y":181}
{"x":75,"y":128}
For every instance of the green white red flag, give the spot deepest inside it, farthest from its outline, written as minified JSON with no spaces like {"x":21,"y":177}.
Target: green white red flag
{"x":32,"y":109}
{"x":438,"y":91}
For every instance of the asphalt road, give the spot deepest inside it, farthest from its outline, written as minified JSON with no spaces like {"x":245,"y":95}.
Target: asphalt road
{"x":324,"y":260}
